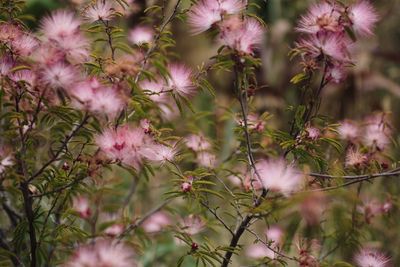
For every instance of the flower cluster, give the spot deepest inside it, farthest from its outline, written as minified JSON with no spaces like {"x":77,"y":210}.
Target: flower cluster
{"x":102,"y":253}
{"x":330,"y":30}
{"x":240,"y":33}
{"x":132,"y":145}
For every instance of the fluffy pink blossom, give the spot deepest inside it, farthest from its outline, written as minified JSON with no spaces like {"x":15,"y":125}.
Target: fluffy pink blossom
{"x":193,"y":224}
{"x":101,"y":10}
{"x":61,"y":24}
{"x":205,"y":13}
{"x":141,"y":35}
{"x":124,"y":144}
{"x":370,"y":208}
{"x":93,"y":96}
{"x":363,"y":17}
{"x":275,"y":234}
{"x":81,"y":205}
{"x":348,"y":131}
{"x":354,"y":158}
{"x":332,"y":45}
{"x":156,"y":222}
{"x":371,"y":258}
{"x":59,"y":75}
{"x":159,"y":153}
{"x":48,"y":53}
{"x":336,"y":73}
{"x":25,"y":75}
{"x":278,"y":176}
{"x":376,"y":135}
{"x":197,"y":142}
{"x":25,"y":44}
{"x":102,"y":253}
{"x":180,"y":80}
{"x":322,"y":17}
{"x":245,"y":36}
{"x":75,"y":48}
{"x":9,"y":32}
{"x":259,"y":251}
{"x":206,"y":159}
{"x":6,"y":64}
{"x":313,"y":133}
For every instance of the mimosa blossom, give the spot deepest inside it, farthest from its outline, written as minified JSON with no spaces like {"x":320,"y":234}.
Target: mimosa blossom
{"x":102,"y":253}
{"x":278,"y":176}
{"x":371,"y":258}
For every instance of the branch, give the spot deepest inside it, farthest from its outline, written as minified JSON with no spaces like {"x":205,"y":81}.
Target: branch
{"x":214,"y":212}
{"x":61,"y":149}
{"x":140,"y":221}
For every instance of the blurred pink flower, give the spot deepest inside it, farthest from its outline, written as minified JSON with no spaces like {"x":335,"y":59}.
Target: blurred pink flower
{"x":24,"y":44}
{"x":114,"y":230}
{"x":253,"y":122}
{"x":102,"y":253}
{"x":141,"y":35}
{"x":100,"y":10}
{"x":259,"y":251}
{"x":336,"y":73}
{"x":205,"y":13}
{"x":348,"y":130}
{"x":159,"y":153}
{"x":180,"y":80}
{"x":322,"y":17}
{"x":333,"y":45}
{"x":6,"y":64}
{"x":81,"y":205}
{"x":197,"y":142}
{"x":124,"y":144}
{"x":26,"y":76}
{"x":354,"y":158}
{"x":245,"y":36}
{"x":193,"y":224}
{"x":376,"y":135}
{"x":277,"y":176}
{"x":371,"y":258}
{"x":61,"y":24}
{"x":156,"y":222}
{"x":363,"y":17}
{"x":59,"y":75}
{"x":155,"y":90}
{"x":206,"y":159}
{"x":313,"y":133}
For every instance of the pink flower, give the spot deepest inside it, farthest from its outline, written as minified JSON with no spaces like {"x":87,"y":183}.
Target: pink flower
{"x":180,"y":80}
{"x":321,"y":17}
{"x":186,"y":186}
{"x":253,"y":122}
{"x":313,"y":133}
{"x":141,"y":35}
{"x":6,"y":160}
{"x":25,"y":44}
{"x":376,"y":135}
{"x":370,"y":208}
{"x":6,"y":64}
{"x":354,"y":158}
{"x":26,"y":76}
{"x":124,"y":144}
{"x":205,"y":13}
{"x":114,"y":230}
{"x":245,"y":36}
{"x":277,"y":176}
{"x":206,"y":159}
{"x":102,"y":253}
{"x":75,"y":48}
{"x":371,"y":258}
{"x":59,"y":75}
{"x":93,"y":96}
{"x":193,"y":224}
{"x":48,"y":53}
{"x":101,"y":10}
{"x":156,"y":222}
{"x":348,"y":131}
{"x":259,"y":251}
{"x":363,"y":17}
{"x":159,"y":153}
{"x":81,"y":205}
{"x":275,"y":234}
{"x":61,"y":24}
{"x":197,"y":142}
{"x":334,"y":46}
{"x":336,"y":73}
